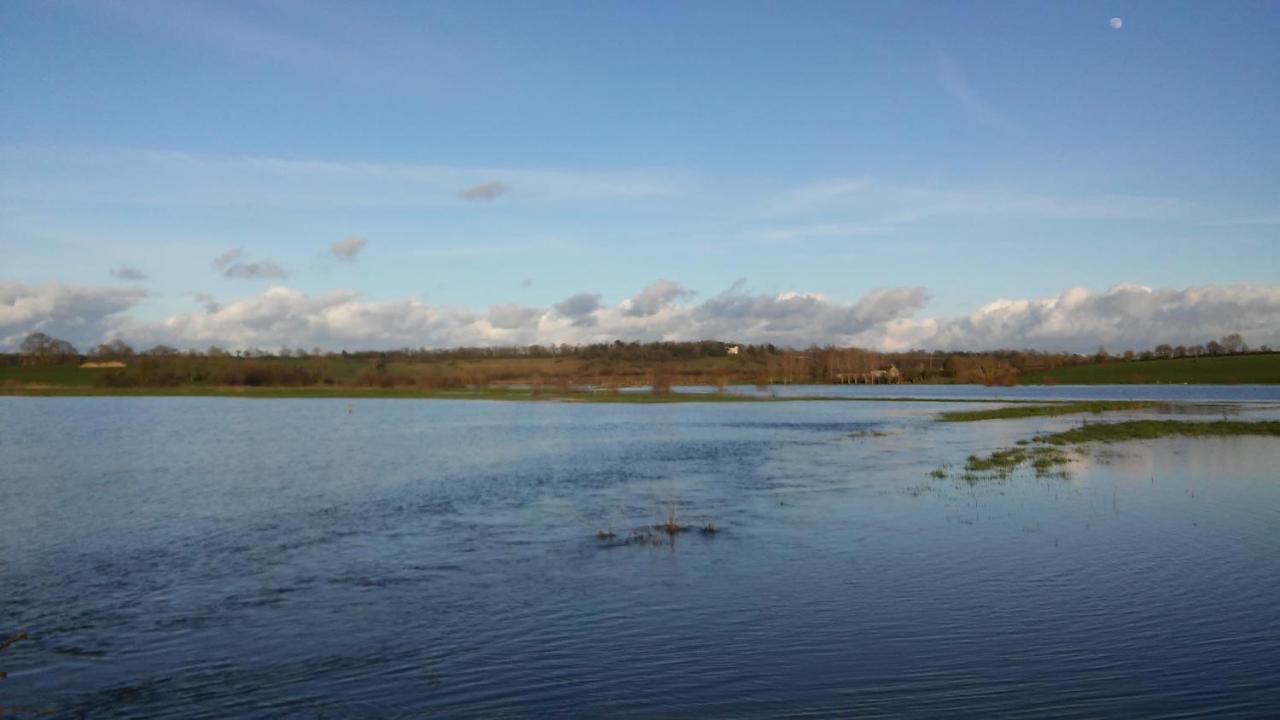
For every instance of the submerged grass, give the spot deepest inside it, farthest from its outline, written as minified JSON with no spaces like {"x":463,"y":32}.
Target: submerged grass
{"x":1064,"y":408}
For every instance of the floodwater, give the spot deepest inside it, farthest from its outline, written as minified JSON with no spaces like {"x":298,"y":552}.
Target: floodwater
{"x":206,"y":557}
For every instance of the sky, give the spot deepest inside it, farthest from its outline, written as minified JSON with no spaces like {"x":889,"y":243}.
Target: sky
{"x":263,"y":173}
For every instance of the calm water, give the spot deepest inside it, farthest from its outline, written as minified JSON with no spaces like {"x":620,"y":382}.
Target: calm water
{"x":222,"y":557}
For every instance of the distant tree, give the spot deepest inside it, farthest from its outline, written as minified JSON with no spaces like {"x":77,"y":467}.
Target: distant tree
{"x":40,"y":349}
{"x":1180,"y":351}
{"x":1213,"y":347}
{"x":115,"y":350}
{"x":1163,"y":351}
{"x":1233,"y":343}
{"x":161,"y":351}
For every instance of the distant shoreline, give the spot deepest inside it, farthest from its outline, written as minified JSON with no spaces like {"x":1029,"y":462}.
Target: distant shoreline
{"x":516,"y":394}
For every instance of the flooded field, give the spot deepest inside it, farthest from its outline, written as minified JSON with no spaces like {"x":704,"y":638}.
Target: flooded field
{"x":347,"y":558}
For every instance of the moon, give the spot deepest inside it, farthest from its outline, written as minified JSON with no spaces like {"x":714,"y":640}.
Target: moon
{"x":1116,"y":23}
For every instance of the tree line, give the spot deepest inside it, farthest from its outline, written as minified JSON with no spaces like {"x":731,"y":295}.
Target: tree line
{"x":603,"y":364}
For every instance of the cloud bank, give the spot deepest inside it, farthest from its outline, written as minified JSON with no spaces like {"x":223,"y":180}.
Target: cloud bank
{"x":1125,"y":316}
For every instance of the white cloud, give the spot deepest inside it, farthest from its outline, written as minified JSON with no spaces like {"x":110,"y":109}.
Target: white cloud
{"x":654,"y":298}
{"x":513,"y":317}
{"x":1126,"y":316}
{"x":80,"y":315}
{"x":347,"y":249}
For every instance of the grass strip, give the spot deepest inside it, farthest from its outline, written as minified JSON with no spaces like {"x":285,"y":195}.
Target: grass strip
{"x":1050,"y":410}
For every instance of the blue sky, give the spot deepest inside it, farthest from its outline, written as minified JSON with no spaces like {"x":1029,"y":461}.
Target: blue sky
{"x":978,"y":150}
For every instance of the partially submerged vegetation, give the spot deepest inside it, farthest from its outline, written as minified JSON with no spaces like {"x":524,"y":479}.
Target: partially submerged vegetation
{"x":664,"y":532}
{"x":1046,"y":456}
{"x":1044,"y":460}
{"x":1048,"y":410}
{"x":1154,"y":429}
{"x":859,"y":434}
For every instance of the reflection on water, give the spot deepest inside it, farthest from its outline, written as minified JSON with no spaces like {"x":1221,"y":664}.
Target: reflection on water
{"x":217,"y":557}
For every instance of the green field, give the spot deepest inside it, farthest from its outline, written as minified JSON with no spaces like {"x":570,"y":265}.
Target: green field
{"x":1221,"y":370}
{"x":60,"y":375}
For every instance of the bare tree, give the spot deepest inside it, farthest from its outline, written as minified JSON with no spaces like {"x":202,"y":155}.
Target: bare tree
{"x":40,"y":349}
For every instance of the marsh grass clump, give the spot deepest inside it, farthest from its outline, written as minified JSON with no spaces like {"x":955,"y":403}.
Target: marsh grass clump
{"x":1045,"y":459}
{"x":1001,"y":464}
{"x":709,"y":528}
{"x":938,"y":473}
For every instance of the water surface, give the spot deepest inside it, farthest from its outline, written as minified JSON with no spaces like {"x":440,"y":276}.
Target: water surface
{"x":213,"y":557}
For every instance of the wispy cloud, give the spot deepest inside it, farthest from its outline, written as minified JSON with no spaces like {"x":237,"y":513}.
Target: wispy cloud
{"x":347,"y":249}
{"x":1247,"y":221}
{"x":381,"y":57}
{"x":158,"y":178}
{"x":262,"y":270}
{"x":485,"y":191}
{"x":207,"y":301}
{"x":231,"y":265}
{"x":956,"y":86}
{"x":125,"y":272}
{"x":878,"y":204}
{"x":817,"y":231}
{"x":223,"y":261}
